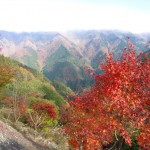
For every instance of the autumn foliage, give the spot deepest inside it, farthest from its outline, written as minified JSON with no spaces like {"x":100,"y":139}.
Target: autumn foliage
{"x":17,"y":105}
{"x":39,"y":112}
{"x":116,"y":108}
{"x":6,"y":71}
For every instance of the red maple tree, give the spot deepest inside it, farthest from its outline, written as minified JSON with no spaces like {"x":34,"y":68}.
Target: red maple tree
{"x":116,"y":108}
{"x":39,"y":112}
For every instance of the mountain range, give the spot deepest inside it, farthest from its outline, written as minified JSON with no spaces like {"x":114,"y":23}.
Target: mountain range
{"x":64,"y":56}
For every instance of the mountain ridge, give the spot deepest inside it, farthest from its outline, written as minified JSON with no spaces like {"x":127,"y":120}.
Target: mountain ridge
{"x":86,"y":49}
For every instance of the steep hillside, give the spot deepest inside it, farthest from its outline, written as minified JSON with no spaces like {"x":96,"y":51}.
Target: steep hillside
{"x":64,"y":56}
{"x":30,"y":103}
{"x":32,"y":49}
{"x":45,"y":51}
{"x":80,"y":43}
{"x":27,"y":81}
{"x":95,"y":43}
{"x":63,"y":66}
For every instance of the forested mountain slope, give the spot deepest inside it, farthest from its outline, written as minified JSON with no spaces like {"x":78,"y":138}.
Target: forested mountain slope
{"x":64,"y":56}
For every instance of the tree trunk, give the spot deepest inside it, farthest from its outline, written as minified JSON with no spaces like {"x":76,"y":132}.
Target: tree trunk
{"x":80,"y":147}
{"x":120,"y":143}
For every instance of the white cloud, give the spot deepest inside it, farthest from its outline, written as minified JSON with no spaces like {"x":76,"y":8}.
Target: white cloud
{"x":47,"y":15}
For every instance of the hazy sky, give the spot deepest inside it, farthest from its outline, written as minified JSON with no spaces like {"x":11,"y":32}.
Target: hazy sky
{"x":61,"y":15}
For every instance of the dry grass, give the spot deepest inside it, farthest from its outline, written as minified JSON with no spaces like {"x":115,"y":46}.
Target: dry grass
{"x":51,"y":139}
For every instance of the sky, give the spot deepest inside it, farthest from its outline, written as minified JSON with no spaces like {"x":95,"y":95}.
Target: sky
{"x":63,"y":15}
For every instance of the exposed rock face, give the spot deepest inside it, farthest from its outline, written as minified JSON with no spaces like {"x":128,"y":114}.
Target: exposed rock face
{"x":11,"y":139}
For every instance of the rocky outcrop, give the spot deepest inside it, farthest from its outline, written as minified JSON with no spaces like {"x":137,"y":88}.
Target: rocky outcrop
{"x":11,"y":139}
